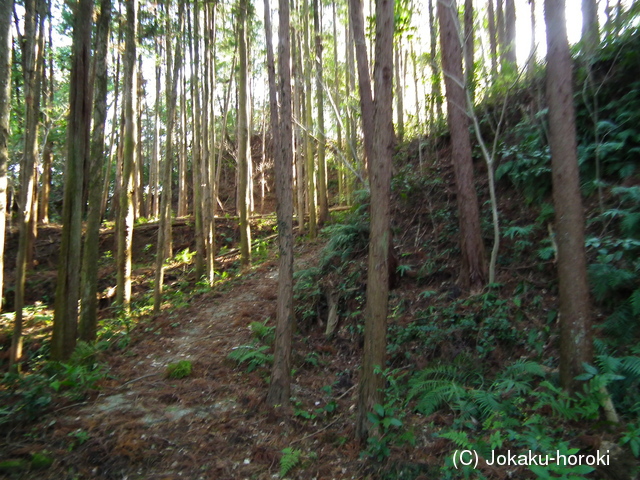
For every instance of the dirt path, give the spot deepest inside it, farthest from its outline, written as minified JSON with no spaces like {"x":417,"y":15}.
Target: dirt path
{"x":210,"y":425}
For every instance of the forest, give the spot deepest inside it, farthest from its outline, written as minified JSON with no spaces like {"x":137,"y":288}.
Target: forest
{"x":319,"y":239}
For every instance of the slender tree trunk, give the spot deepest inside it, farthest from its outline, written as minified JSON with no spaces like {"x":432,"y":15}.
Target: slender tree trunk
{"x":473,"y":271}
{"x":183,"y":197}
{"x":338,"y":101}
{"x":244,"y":150}
{"x":323,"y":201}
{"x":65,"y":320}
{"x":414,"y":63}
{"x":279,"y":387}
{"x":493,"y":40}
{"x":113,"y":143}
{"x":47,"y":153}
{"x":40,"y":81}
{"x":213,"y":179}
{"x":154,"y":168}
{"x":27,"y":167}
{"x":89,"y":274}
{"x":194,"y":45}
{"x":125,"y":213}
{"x":309,"y":148}
{"x":436,"y":87}
{"x":138,"y":168}
{"x":6,"y":8}
{"x":364,"y":79}
{"x":575,"y":315}
{"x":469,"y":72}
{"x":510,"y":32}
{"x":531,"y":63}
{"x":399,"y":88}
{"x":375,"y":328}
{"x":590,"y":26}
{"x":298,"y":101}
{"x":164,"y":226}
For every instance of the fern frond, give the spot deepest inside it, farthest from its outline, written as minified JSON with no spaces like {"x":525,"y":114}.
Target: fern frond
{"x":289,"y":460}
{"x":461,"y":439}
{"x":254,"y":356}
{"x":486,"y":402}
{"x":631,"y":367}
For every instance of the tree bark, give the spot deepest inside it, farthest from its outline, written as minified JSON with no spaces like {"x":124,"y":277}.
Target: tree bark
{"x":30,"y":60}
{"x":65,"y":320}
{"x":89,"y":273}
{"x":469,"y":48}
{"x":473,"y":273}
{"x":436,"y":87}
{"x":280,"y":385}
{"x":590,"y":26}
{"x":575,"y":317}
{"x":164,"y":226}
{"x":244,"y":150}
{"x":312,"y":190}
{"x":125,"y":214}
{"x":510,"y":32}
{"x":493,"y":47}
{"x":323,"y":201}
{"x":364,"y":78}
{"x":375,"y":328}
{"x":6,"y":8}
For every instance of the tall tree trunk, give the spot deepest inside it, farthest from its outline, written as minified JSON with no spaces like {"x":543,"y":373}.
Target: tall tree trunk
{"x":308,"y":109}
{"x":113,"y":142}
{"x":436,"y":87}
{"x":338,"y":101}
{"x":375,"y":328}
{"x":89,"y":274}
{"x":399,"y":84}
{"x":473,"y":273}
{"x":531,"y":63}
{"x":501,"y":31}
{"x":590,"y":26}
{"x":139,"y":204}
{"x":212,"y":183}
{"x":364,"y":78}
{"x":575,"y":316}
{"x":323,"y":201}
{"x":493,"y":40}
{"x":194,"y":45}
{"x":244,"y":149}
{"x":510,"y":32}
{"x":125,"y":213}
{"x":154,"y":167}
{"x":65,"y":320}
{"x":164,"y":226}
{"x":42,"y":216}
{"x":279,"y":387}
{"x":298,"y":100}
{"x":469,"y":73}
{"x":30,"y":60}
{"x":6,"y":8}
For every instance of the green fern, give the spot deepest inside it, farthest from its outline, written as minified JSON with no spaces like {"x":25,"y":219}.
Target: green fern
{"x":289,"y":460}
{"x":254,"y":356}
{"x":263,"y":332}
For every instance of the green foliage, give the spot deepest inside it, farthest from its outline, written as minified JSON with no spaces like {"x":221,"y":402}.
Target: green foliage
{"x":528,"y":159}
{"x":632,"y":438}
{"x":253,"y":355}
{"x":615,"y":275}
{"x":262,"y":332}
{"x":289,"y":460}
{"x":179,"y":369}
